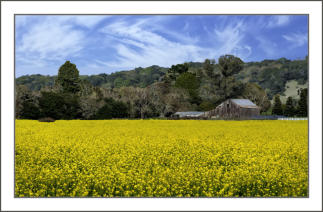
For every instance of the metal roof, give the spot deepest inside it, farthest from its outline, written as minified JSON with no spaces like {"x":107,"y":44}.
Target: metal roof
{"x":189,"y":113}
{"x":244,"y":103}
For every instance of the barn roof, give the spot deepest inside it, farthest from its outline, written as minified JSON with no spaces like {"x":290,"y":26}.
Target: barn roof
{"x":246,"y":103}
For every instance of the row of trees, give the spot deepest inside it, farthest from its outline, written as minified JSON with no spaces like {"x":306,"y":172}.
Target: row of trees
{"x":292,"y":107}
{"x":182,"y":88}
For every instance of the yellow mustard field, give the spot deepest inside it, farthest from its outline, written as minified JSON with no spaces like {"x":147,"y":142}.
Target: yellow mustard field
{"x":161,"y":158}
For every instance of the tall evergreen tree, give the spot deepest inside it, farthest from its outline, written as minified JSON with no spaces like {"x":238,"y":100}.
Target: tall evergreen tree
{"x":289,"y":109}
{"x":277,"y":109}
{"x":68,"y":78}
{"x":302,"y":103}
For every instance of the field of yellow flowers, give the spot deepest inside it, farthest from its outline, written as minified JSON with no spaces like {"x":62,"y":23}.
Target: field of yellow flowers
{"x":161,"y":158}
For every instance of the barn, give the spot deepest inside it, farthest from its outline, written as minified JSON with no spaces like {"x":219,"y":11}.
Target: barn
{"x":234,"y":109}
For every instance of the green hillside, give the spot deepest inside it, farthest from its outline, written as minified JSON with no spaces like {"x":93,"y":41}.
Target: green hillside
{"x":280,"y":76}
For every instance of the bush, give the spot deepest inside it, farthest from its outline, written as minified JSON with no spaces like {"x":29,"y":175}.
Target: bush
{"x":46,"y":119}
{"x":29,"y":111}
{"x":59,"y":105}
{"x":112,"y":109}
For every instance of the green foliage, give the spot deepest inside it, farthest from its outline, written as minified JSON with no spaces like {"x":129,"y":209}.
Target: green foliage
{"x":206,"y":106}
{"x":190,"y":83}
{"x":112,"y":109}
{"x":36,"y":82}
{"x":187,"y":81}
{"x":209,"y":66}
{"x":302,"y":103}
{"x":230,"y":65}
{"x":29,"y":111}
{"x":68,"y":78}
{"x":277,"y":109}
{"x":59,"y":105}
{"x":156,"y":91}
{"x":272,"y":75}
{"x":289,"y":108}
{"x":257,"y":95}
{"x":177,"y":70}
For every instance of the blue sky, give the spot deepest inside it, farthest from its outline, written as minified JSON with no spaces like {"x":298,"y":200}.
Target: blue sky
{"x":106,"y":44}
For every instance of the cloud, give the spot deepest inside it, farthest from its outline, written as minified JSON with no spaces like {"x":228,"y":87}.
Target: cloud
{"x":88,"y":21}
{"x":141,"y":44}
{"x":297,"y":39}
{"x":138,"y":45}
{"x":52,"y":38}
{"x":269,"y":47}
{"x":125,"y":42}
{"x":51,"y":41}
{"x":230,"y":39}
{"x":278,"y":21}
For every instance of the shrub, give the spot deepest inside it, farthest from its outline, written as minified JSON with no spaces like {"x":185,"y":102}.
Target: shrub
{"x":46,"y":119}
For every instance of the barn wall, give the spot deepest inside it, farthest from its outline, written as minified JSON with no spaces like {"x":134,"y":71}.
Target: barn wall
{"x":229,"y":110}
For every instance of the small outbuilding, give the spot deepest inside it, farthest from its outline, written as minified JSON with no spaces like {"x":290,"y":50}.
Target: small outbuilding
{"x":188,"y":114}
{"x":234,"y":109}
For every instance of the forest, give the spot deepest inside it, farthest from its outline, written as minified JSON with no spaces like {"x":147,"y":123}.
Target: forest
{"x":159,"y":92}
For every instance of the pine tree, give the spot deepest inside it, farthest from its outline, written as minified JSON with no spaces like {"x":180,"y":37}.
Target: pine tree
{"x":289,"y":109}
{"x":302,"y":103}
{"x":277,"y":109}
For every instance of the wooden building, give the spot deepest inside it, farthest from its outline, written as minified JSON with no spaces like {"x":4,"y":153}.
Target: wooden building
{"x":234,"y":109}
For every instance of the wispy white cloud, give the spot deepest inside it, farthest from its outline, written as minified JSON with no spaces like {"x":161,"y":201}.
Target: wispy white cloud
{"x":230,"y":39}
{"x":150,"y":47}
{"x":139,"y":44}
{"x":297,"y":39}
{"x":125,"y":42}
{"x":88,"y":21}
{"x":278,"y":21}
{"x":268,"y":47}
{"x":52,"y":41}
{"x":52,"y":38}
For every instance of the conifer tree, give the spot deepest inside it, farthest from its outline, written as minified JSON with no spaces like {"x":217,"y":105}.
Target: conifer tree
{"x":277,"y":109}
{"x":302,"y":103}
{"x":68,"y":78}
{"x":289,"y":109}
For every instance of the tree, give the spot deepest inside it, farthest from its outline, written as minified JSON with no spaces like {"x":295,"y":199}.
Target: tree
{"x":206,"y":106}
{"x":22,"y":94}
{"x":256,"y":94}
{"x":112,"y":109}
{"x":142,"y":101}
{"x":302,"y":103}
{"x":208,"y":66}
{"x":68,"y":78}
{"x":59,"y":105}
{"x":176,"y":70}
{"x":90,"y":106}
{"x":229,"y":66}
{"x":277,"y":109}
{"x":189,"y":82}
{"x":29,"y":111}
{"x":289,"y":108}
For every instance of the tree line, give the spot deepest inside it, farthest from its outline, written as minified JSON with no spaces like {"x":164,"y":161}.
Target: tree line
{"x":183,"y":87}
{"x":292,"y":108}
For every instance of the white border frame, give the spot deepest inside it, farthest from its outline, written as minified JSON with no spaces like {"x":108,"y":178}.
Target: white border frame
{"x":8,"y":202}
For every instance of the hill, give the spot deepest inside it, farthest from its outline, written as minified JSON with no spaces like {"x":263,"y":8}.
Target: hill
{"x":280,"y":76}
